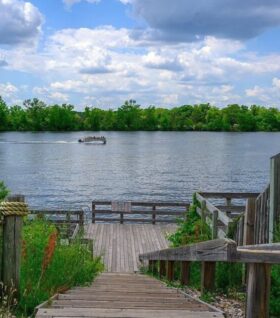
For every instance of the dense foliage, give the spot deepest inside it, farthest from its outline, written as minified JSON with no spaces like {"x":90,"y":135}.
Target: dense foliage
{"x":49,"y":267}
{"x":35,"y":115}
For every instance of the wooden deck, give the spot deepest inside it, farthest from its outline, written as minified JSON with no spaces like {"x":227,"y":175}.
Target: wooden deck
{"x":121,"y":244}
{"x":127,"y":295}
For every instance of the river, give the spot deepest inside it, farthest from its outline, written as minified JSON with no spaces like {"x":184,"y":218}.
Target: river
{"x":54,"y":171}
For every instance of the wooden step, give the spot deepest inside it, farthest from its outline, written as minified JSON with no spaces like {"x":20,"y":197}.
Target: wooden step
{"x":127,"y":296}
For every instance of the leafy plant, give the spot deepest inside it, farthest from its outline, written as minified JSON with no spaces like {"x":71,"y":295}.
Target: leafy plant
{"x":3,"y":191}
{"x":49,"y":267}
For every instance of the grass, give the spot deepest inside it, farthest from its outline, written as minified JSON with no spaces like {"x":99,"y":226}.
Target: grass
{"x":49,"y":267}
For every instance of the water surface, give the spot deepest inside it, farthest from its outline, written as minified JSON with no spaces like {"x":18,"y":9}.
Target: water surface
{"x":53,"y":170}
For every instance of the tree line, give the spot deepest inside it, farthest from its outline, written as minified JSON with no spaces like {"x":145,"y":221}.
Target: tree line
{"x":35,"y":115}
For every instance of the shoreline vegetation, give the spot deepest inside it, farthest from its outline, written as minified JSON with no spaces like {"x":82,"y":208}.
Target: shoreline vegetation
{"x":35,"y":115}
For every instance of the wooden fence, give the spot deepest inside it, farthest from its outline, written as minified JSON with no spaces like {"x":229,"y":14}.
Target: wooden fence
{"x":257,"y":257}
{"x":135,"y":212}
{"x":225,"y":211}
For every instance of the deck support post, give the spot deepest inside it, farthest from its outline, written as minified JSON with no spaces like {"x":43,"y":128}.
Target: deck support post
{"x":93,"y":213}
{"x":208,"y":270}
{"x":154,"y":215}
{"x":258,"y":287}
{"x":170,"y":270}
{"x":185,"y":272}
{"x":153,"y":267}
{"x":162,"y":269}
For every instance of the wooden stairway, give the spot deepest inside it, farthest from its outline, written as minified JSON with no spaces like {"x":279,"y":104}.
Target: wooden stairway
{"x":126,"y":295}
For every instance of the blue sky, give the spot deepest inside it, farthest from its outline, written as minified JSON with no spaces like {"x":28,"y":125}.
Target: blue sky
{"x":161,"y":52}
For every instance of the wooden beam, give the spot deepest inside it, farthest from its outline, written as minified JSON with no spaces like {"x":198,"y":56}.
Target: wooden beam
{"x":12,"y":239}
{"x":162,"y":269}
{"x":185,"y":273}
{"x":215,"y":250}
{"x":258,"y":287}
{"x":249,"y":222}
{"x":208,"y":270}
{"x":170,"y":270}
{"x":274,"y":210}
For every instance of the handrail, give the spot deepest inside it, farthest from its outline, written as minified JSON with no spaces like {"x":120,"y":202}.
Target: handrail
{"x":257,"y":257}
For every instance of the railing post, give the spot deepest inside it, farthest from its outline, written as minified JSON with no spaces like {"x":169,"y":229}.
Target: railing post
{"x":203,"y":211}
{"x":81,"y":218}
{"x":153,"y":267}
{"x":93,"y":213}
{"x":228,"y":203}
{"x":68,"y":224}
{"x":162,"y":269}
{"x":121,"y":217}
{"x":207,"y":276}
{"x":258,"y":288}
{"x":170,"y":270}
{"x":14,"y":209}
{"x":154,"y":215}
{"x":274,"y":208}
{"x":185,"y":273}
{"x":249,"y":222}
{"x":214,"y":224}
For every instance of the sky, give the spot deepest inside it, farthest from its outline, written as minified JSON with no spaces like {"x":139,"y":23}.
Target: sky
{"x":157,"y":52}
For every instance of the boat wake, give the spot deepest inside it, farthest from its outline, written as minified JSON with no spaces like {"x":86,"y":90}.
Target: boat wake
{"x":37,"y":142}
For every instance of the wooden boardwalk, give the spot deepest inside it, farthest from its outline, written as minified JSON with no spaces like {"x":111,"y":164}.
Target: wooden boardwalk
{"x":126,"y":295}
{"x":121,"y":244}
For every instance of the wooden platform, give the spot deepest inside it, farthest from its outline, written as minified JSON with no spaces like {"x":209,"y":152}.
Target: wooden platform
{"x":127,"y":295}
{"x":121,"y":244}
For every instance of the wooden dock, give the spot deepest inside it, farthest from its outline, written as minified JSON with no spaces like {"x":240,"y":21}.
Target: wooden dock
{"x":127,"y":295}
{"x":121,"y":244}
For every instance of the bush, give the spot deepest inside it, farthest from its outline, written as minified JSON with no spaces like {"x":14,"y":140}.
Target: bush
{"x":49,"y":267}
{"x":3,"y":191}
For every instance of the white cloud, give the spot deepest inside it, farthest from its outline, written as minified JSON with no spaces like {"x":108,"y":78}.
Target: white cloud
{"x":20,"y":22}
{"x":69,"y":3}
{"x":7,"y":90}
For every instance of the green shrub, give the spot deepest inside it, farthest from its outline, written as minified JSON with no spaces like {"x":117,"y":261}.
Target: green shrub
{"x":190,"y":230}
{"x":3,"y":191}
{"x":49,"y":267}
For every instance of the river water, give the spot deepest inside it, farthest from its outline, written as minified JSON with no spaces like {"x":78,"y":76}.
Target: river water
{"x":54,"y":171}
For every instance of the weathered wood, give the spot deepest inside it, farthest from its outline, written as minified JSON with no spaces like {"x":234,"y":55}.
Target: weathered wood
{"x":229,"y":195}
{"x":127,"y":295}
{"x":162,"y":269}
{"x":211,"y":208}
{"x":154,"y":215}
{"x":249,"y":229}
{"x":258,"y":289}
{"x":215,"y":250}
{"x":1,"y":248}
{"x":170,"y":270}
{"x":274,"y":213}
{"x":215,"y":225}
{"x":208,"y":270}
{"x":12,"y":248}
{"x":185,"y":273}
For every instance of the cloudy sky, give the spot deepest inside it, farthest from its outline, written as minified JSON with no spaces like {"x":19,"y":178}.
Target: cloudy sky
{"x":161,"y":52}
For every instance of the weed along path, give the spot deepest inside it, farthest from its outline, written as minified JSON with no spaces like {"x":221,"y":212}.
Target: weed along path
{"x":122,"y":291}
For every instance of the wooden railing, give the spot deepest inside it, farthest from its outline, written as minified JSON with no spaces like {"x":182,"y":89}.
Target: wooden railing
{"x":258,"y":257}
{"x":222,"y":212}
{"x":150,"y":212}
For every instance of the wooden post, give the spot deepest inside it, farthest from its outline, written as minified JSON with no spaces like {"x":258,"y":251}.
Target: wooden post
{"x":162,"y":269}
{"x":1,"y":248}
{"x":185,"y":273}
{"x":154,"y":215}
{"x":68,"y":224}
{"x":170,"y":270}
{"x":121,"y":217}
{"x":12,"y":248}
{"x":214,"y":224}
{"x":274,"y":209}
{"x":228,"y":203}
{"x":93,"y":213}
{"x":249,"y":222}
{"x":258,"y":287}
{"x":203,"y":211}
{"x":207,"y":276}
{"x":153,"y":267}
